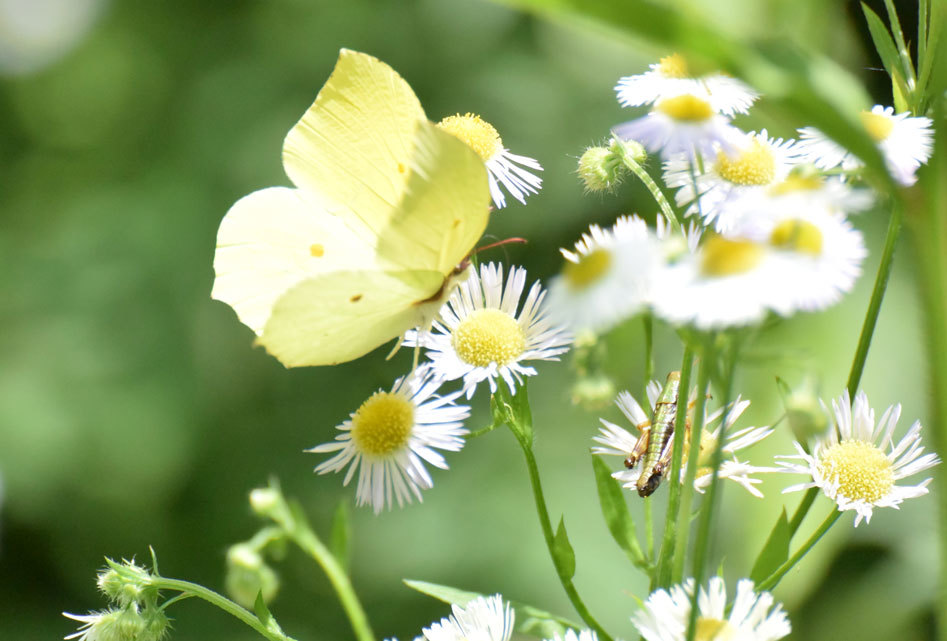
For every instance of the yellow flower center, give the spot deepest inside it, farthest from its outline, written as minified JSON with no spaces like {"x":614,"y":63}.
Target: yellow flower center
{"x":796,"y":182}
{"x":725,"y":257}
{"x":860,"y":468}
{"x":714,"y":630}
{"x":753,"y":166}
{"x":686,"y":108}
{"x":673,"y":66}
{"x":488,"y":336}
{"x":879,"y":127}
{"x":383,"y":424}
{"x":590,"y":268}
{"x":797,"y":235}
{"x":476,"y":132}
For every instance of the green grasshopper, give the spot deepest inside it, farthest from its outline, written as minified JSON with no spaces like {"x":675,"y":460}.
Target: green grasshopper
{"x":657,"y":436}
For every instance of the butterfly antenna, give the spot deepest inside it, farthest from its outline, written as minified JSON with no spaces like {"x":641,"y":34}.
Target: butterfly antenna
{"x":500,"y":243}
{"x":394,"y":350}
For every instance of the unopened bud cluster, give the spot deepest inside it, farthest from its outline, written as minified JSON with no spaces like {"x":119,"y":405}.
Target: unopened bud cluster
{"x":248,"y":575}
{"x":133,"y":614}
{"x":603,"y":168}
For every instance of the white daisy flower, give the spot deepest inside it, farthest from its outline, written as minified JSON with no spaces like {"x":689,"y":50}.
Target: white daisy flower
{"x":390,"y":436}
{"x":120,"y":624}
{"x":479,"y":335}
{"x":815,"y":256}
{"x":608,"y":277}
{"x":483,"y":619}
{"x":685,"y":123}
{"x":724,"y":283}
{"x":671,"y":76}
{"x":756,"y":164}
{"x":614,"y":440}
{"x":850,"y":463}
{"x":571,"y":635}
{"x":906,"y":143}
{"x":503,"y":168}
{"x":801,"y":190}
{"x":752,"y":615}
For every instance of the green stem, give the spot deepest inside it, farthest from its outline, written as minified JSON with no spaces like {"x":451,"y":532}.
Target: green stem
{"x":877,"y":296}
{"x":802,"y":510}
{"x":649,"y":528}
{"x":648,"y":351}
{"x":662,"y":578}
{"x":548,"y":535}
{"x":684,"y":520}
{"x":222,"y":602}
{"x":770,"y":582}
{"x":301,"y":534}
{"x":652,"y":186}
{"x":702,"y":543}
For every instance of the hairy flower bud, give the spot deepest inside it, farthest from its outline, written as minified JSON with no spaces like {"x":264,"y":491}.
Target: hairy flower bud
{"x":248,"y":575}
{"x":125,"y":583}
{"x":601,"y":168}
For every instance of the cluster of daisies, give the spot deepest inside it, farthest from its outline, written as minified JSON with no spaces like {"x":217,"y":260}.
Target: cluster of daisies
{"x":769,"y":231}
{"x":486,"y":333}
{"x":665,"y":615}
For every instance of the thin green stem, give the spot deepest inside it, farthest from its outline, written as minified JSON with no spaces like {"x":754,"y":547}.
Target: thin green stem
{"x":702,"y":543}
{"x":548,"y":535}
{"x":649,"y":528}
{"x":663,"y":575}
{"x":303,"y":536}
{"x":222,"y":602}
{"x":772,"y":580}
{"x":648,"y":351}
{"x":482,"y":431}
{"x":877,"y":296}
{"x":684,"y":519}
{"x":652,"y":186}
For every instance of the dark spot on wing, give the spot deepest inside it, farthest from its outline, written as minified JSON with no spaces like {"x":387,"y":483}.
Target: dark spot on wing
{"x":355,"y":298}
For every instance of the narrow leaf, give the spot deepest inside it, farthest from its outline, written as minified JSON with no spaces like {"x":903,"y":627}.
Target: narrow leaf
{"x":898,"y":33}
{"x":529,"y":620}
{"x":262,"y":612}
{"x":340,"y":536}
{"x":775,"y":552}
{"x":884,"y":45}
{"x":616,"y":514}
{"x":562,"y":553}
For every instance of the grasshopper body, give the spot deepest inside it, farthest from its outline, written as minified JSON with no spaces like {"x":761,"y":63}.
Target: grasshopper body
{"x":654,"y":443}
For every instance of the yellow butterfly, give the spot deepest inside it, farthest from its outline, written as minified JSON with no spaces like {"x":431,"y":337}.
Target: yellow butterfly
{"x":367,"y":246}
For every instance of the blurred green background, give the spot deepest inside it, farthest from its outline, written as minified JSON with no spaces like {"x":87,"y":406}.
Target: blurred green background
{"x":134,"y":411}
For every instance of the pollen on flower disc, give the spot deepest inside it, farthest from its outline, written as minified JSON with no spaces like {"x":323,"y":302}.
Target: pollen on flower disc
{"x":673,"y":66}
{"x":488,"y":336}
{"x":878,"y":126}
{"x":686,"y":108}
{"x":714,"y":630}
{"x":479,"y":134}
{"x":797,"y":235}
{"x":590,"y":268}
{"x":795,"y":184}
{"x":861,"y":470}
{"x":752,"y":166}
{"x":725,"y":257}
{"x":383,"y":424}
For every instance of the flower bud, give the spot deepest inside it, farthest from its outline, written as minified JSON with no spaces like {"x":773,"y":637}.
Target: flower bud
{"x":248,"y":575}
{"x":600,"y":168}
{"x":125,"y":583}
{"x":126,"y":624}
{"x":804,"y":411}
{"x":264,"y":500}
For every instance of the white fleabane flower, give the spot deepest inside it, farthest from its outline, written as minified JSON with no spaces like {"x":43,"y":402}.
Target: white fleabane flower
{"x":856,"y":464}
{"x":906,"y":143}
{"x":125,"y":624}
{"x":724,"y":283}
{"x":752,"y":616}
{"x":682,"y":124}
{"x":608,"y":277}
{"x":390,"y":436}
{"x":755,"y":164}
{"x":670,"y":76}
{"x":480,"y":336}
{"x":483,"y":619}
{"x":802,"y":191}
{"x":503,"y":167}
{"x":614,"y":440}
{"x":815,"y":256}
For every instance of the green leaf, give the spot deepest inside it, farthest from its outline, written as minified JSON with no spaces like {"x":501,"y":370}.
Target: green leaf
{"x":562,"y":553}
{"x":775,"y":552}
{"x":529,"y":620}
{"x":615,"y":510}
{"x":884,"y":45}
{"x":340,"y":535}
{"x":262,"y":612}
